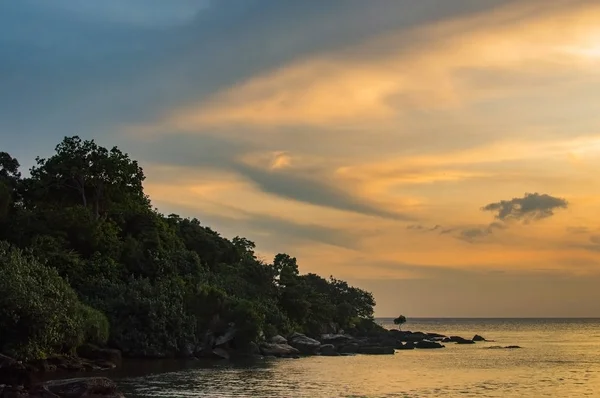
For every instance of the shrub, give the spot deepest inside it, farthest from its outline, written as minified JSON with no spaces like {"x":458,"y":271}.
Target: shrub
{"x":38,"y":309}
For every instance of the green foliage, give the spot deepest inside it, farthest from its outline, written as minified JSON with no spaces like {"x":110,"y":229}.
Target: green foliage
{"x":400,"y":321}
{"x":40,"y":314}
{"x":114,"y":271}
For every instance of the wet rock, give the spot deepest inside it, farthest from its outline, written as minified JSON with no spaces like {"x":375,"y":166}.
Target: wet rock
{"x":426,"y":344}
{"x":278,"y":350}
{"x":406,"y":346}
{"x":226,"y":337}
{"x":304,"y":344}
{"x":478,"y":338}
{"x":220,"y":353}
{"x":464,"y":342}
{"x":351,"y":348}
{"x":328,"y":350}
{"x":278,"y":340}
{"x":499,"y":347}
{"x":76,"y":388}
{"x":337,"y":340}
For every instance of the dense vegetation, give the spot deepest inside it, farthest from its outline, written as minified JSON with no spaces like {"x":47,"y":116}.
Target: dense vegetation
{"x":85,"y":258}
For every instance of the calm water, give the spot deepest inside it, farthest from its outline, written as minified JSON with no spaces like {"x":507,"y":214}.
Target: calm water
{"x":560,"y":358}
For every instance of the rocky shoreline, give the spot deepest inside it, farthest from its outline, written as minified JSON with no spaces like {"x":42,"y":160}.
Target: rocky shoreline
{"x":18,"y":379}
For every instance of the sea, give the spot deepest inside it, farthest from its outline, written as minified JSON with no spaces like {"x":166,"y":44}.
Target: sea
{"x":558,"y":358}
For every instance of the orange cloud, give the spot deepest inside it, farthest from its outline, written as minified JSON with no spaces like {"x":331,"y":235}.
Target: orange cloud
{"x":426,"y":68}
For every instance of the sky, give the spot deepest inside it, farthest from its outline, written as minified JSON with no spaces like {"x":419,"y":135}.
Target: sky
{"x":443,"y":154}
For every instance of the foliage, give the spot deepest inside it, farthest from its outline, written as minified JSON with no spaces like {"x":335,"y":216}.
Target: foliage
{"x":400,"y":321}
{"x":39,"y":312}
{"x":116,"y":271}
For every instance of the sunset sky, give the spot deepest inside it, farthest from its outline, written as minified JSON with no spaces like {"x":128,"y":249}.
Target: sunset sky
{"x":443,"y":154}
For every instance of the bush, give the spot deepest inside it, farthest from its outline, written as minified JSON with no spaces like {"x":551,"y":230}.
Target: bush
{"x":94,"y":325}
{"x":39,"y":312}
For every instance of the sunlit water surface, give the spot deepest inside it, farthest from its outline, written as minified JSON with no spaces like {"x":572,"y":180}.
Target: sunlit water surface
{"x":559,"y":358}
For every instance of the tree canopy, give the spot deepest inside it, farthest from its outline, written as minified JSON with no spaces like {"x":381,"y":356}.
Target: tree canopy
{"x":84,"y":248}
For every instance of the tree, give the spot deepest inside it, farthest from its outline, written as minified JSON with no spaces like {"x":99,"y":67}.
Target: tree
{"x":85,"y":173}
{"x":400,"y":321}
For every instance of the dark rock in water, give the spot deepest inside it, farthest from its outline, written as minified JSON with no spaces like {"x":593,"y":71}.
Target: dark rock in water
{"x":328,"y":350}
{"x":406,"y":346}
{"x":413,"y":337}
{"x":465,"y":342}
{"x":337,"y":340}
{"x":93,"y":352}
{"x":457,"y":339}
{"x":376,"y":350}
{"x":304,"y":344}
{"x":426,"y":344}
{"x":278,"y":350}
{"x":509,"y":347}
{"x":435,"y":336}
{"x":351,"y":348}
{"x":478,"y":338}
{"x":278,"y":340}
{"x":75,"y":388}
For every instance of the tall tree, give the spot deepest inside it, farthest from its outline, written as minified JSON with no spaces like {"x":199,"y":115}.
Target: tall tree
{"x":86,"y":173}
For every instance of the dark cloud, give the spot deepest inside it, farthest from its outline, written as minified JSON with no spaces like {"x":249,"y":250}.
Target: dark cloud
{"x":206,"y":151}
{"x":310,"y":190}
{"x":533,"y":206}
{"x":88,"y":68}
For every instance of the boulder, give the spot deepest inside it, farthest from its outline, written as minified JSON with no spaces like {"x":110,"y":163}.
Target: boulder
{"x":278,"y":350}
{"x":478,"y":338}
{"x":351,"y":348}
{"x":304,"y":344}
{"x":226,"y":337}
{"x":337,"y":340}
{"x":76,"y":388}
{"x":278,"y":340}
{"x":253,"y":349}
{"x":465,"y":342}
{"x":426,"y":344}
{"x":406,"y":346}
{"x":376,"y":350}
{"x":220,"y":353}
{"x":94,"y":353}
{"x":413,"y":337}
{"x":328,"y":350}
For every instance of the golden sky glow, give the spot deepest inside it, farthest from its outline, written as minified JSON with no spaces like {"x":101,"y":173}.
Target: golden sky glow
{"x":371,"y":158}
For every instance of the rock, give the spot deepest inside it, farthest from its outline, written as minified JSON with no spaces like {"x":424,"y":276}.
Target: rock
{"x":17,"y":392}
{"x":351,"y":348}
{"x":328,"y":350}
{"x":406,"y":346}
{"x":435,"y":336}
{"x":426,"y":344}
{"x":253,"y":349}
{"x":94,"y":353}
{"x":465,"y":342}
{"x":376,"y":350}
{"x":478,"y":338}
{"x":457,"y":339}
{"x":304,"y":344}
{"x":82,"y":387}
{"x":226,"y":337}
{"x":498,"y":347}
{"x":278,"y":350}
{"x":337,"y":340}
{"x":278,"y":340}
{"x":413,"y":337}
{"x":221,"y":353}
